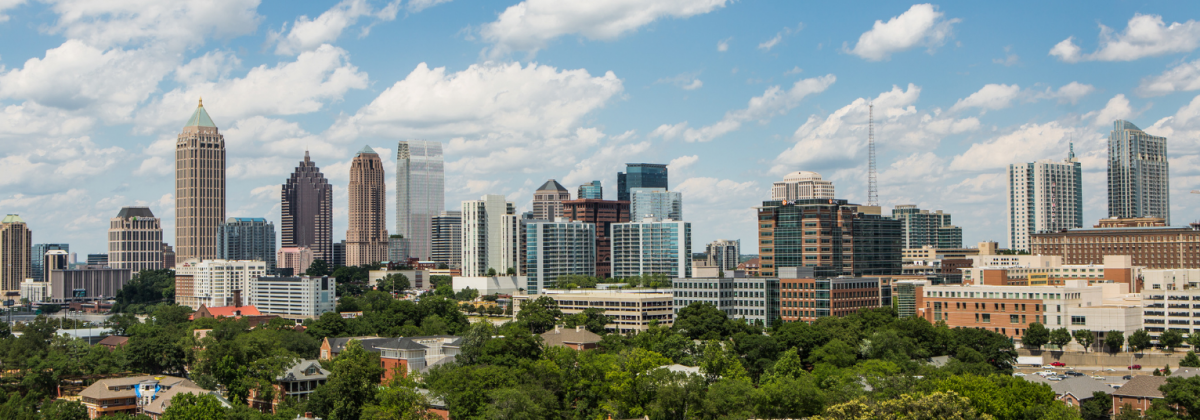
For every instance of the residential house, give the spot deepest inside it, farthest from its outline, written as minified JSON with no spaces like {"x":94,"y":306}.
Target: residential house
{"x":113,"y":341}
{"x":134,"y":395}
{"x":1138,"y":393}
{"x":298,"y":382}
{"x":400,"y":356}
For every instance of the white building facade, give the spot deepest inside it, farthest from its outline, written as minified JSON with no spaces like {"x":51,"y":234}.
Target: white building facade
{"x":1043,"y":196}
{"x":801,"y":185}
{"x":652,"y":246}
{"x":299,"y":296}
{"x":212,"y":282}
{"x":490,"y":237}
{"x":555,"y":249}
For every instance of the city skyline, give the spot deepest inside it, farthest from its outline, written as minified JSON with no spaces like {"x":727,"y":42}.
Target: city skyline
{"x":790,"y":82}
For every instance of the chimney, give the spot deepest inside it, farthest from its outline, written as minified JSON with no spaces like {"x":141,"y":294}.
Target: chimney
{"x":237,"y":298}
{"x":578,"y":328}
{"x":556,"y":329}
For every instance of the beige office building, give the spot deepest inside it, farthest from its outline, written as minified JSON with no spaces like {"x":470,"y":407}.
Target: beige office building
{"x":367,"y":237}
{"x":16,"y":242}
{"x":199,"y":187}
{"x":627,"y":311}
{"x":548,"y":199}
{"x":135,"y":240}
{"x":801,"y":185}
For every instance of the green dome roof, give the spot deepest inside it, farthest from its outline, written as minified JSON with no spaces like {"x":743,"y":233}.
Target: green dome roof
{"x":200,"y":118}
{"x":12,"y":218}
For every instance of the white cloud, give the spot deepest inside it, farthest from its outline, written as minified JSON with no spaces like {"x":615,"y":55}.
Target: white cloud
{"x":682,"y":162}
{"x":770,"y":43}
{"x":685,"y":81}
{"x":1068,"y":93}
{"x":606,"y":160}
{"x":773,"y":102}
{"x":56,"y":163}
{"x":1184,"y":124}
{"x":297,"y":87}
{"x":307,"y":34}
{"x":922,"y":25}
{"x":1117,"y":108}
{"x":1145,"y":36}
{"x":531,"y":24}
{"x":31,"y":119}
{"x":794,"y":70}
{"x":415,"y":6}
{"x":173,"y":24}
{"x":1027,"y":143}
{"x":8,"y":4}
{"x":1009,"y":59}
{"x":696,"y":84}
{"x":155,"y":165}
{"x":723,"y":45}
{"x":991,"y":97}
{"x":211,"y":66}
{"x":1181,"y":78}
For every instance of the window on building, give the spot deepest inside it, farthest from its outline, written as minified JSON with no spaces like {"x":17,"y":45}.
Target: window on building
{"x":1078,"y":320}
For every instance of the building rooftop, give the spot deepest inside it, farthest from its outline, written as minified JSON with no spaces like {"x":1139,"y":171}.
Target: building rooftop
{"x":1142,"y":386}
{"x":802,"y":176}
{"x":127,"y":212}
{"x":367,"y":150}
{"x":552,"y":185}
{"x":12,"y":218}
{"x":200,"y":118}
{"x":304,"y":370}
{"x":564,"y":336}
{"x":123,"y":387}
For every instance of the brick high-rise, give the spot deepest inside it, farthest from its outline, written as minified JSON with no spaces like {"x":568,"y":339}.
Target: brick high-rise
{"x":199,"y":187}
{"x":307,"y":211}
{"x":602,"y":213}
{"x":16,"y":242}
{"x":367,"y":236}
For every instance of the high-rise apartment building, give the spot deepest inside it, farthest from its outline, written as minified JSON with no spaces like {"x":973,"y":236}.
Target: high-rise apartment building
{"x":652,"y":246}
{"x":367,"y":236}
{"x":489,"y":236}
{"x":833,"y":237}
{"x":297,"y":258}
{"x":1138,"y":174}
{"x":556,"y":249}
{"x":306,"y":211}
{"x":420,"y":194}
{"x":16,"y":243}
{"x":38,"y":253}
{"x":802,"y":185}
{"x":339,"y":254}
{"x":135,"y":240}
{"x":591,"y":190}
{"x":724,"y":253}
{"x":199,"y":187}
{"x":54,"y":260}
{"x":603,"y":214}
{"x":640,"y":175}
{"x":213,"y":282}
{"x":1043,"y":196}
{"x":547,"y":200}
{"x":922,"y":227}
{"x":447,"y":239}
{"x":247,"y":238}
{"x":655,"y":203}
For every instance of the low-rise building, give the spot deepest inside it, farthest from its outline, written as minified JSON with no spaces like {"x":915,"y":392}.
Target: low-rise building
{"x":755,"y":299}
{"x":805,"y":298}
{"x":87,"y":284}
{"x":212,"y":282}
{"x":298,"y":382}
{"x":1137,"y":394}
{"x":417,"y":279}
{"x":1043,"y":270}
{"x":35,"y":291}
{"x":1172,"y":300}
{"x":400,"y":356}
{"x":132,"y":395}
{"x":299,"y":296}
{"x":505,"y":285}
{"x":296,"y":258}
{"x":112,"y":342}
{"x":576,"y":338}
{"x":627,"y":311}
{"x":1148,"y":241}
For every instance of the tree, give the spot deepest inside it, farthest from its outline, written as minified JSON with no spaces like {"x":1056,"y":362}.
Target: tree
{"x":49,"y":308}
{"x":1036,"y":336}
{"x":592,"y":319}
{"x":540,"y":314}
{"x":318,"y":268}
{"x":719,"y":363}
{"x":1190,"y":360}
{"x":188,"y":406}
{"x":702,"y":321}
{"x":352,"y":384}
{"x":935,"y":406}
{"x":401,"y":401}
{"x":1060,"y":338}
{"x":64,"y":410}
{"x":836,"y":353}
{"x":1097,"y":407}
{"x":491,"y":272}
{"x":1194,"y":341}
{"x":1114,"y":340}
{"x":393,"y":283}
{"x":1183,"y":393}
{"x":1139,"y":340}
{"x":1085,"y":338}
{"x":1170,"y":339}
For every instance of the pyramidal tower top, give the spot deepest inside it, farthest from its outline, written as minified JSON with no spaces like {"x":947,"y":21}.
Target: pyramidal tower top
{"x":200,"y":118}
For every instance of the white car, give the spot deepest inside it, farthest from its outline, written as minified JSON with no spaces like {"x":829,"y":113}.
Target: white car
{"x":1047,"y":367}
{"x":1018,"y":374}
{"x":1045,"y":373}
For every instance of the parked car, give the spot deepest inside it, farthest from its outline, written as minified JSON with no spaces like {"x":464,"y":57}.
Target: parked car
{"x":1110,"y":370}
{"x":1018,"y":374}
{"x":1098,"y":377}
{"x":1127,"y":377}
{"x":1054,"y":378}
{"x":1073,"y":373}
{"x":1045,"y":373}
{"x":1048,"y":367}
{"x":1135,"y":367}
{"x":1058,"y":364}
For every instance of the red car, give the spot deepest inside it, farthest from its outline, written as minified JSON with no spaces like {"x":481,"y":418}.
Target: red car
{"x":1135,"y":367}
{"x":1058,"y":364}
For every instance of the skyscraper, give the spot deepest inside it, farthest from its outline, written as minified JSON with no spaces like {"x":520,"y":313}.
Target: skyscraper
{"x":1043,"y":196}
{"x":555,"y":249}
{"x":591,"y":190}
{"x":36,"y":258}
{"x":54,"y":260}
{"x":801,"y":185}
{"x":724,"y":254}
{"x":16,"y":242}
{"x":547,"y":200}
{"x":306,"y":218}
{"x":199,"y":187}
{"x":490,"y":236}
{"x":247,"y":239}
{"x":367,"y":236}
{"x":655,"y":203}
{"x":922,"y":227}
{"x":640,"y":175}
{"x":1138,"y":174}
{"x":135,"y":240}
{"x":652,"y":246}
{"x":832,"y":236}
{"x":420,"y":194}
{"x":447,"y":239}
{"x":603,"y":214}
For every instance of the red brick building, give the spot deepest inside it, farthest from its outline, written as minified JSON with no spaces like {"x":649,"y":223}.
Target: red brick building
{"x":602,"y":213}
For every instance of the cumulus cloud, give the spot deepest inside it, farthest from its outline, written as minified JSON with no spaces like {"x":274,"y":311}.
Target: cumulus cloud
{"x":414,"y":6}
{"x":1068,"y":93}
{"x":1144,"y":36}
{"x":606,"y":161}
{"x":532,"y":24}
{"x":682,"y":162}
{"x":773,"y":102}
{"x":1181,"y":78}
{"x":1117,"y":108}
{"x":1027,"y":143}
{"x":921,"y":26}
{"x":53,"y":164}
{"x":307,"y":34}
{"x":685,"y":81}
{"x":723,"y":45}
{"x":991,"y":97}
{"x":8,"y":4}
{"x":174,"y":24}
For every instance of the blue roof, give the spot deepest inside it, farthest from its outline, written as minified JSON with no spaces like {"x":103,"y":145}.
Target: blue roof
{"x":367,"y":150}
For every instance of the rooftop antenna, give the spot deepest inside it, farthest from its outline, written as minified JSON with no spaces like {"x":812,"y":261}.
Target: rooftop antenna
{"x":872,"y":190}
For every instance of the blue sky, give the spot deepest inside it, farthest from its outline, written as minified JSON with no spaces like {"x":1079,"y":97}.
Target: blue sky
{"x":733,"y":95}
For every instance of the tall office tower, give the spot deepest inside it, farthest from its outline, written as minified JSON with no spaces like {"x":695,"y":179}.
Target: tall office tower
{"x":367,"y":237}
{"x":724,"y":253}
{"x":547,"y":200}
{"x":652,"y":246}
{"x":1138,"y":174}
{"x":397,"y":249}
{"x":1043,"y":196}
{"x":54,"y":260}
{"x":199,"y":187}
{"x":16,"y":242}
{"x":248,"y":239}
{"x":556,"y":249}
{"x":420,"y":194}
{"x":168,"y":253}
{"x":655,"y":203}
{"x":306,"y":215}
{"x":832,"y":236}
{"x":922,"y":227}
{"x":447,"y":239}
{"x":603,"y":214}
{"x":640,"y":175}
{"x":801,"y":185}
{"x":135,"y":240}
{"x":213,"y":283}
{"x":339,"y":254}
{"x":591,"y":190}
{"x":36,"y":255}
{"x":489,"y":236}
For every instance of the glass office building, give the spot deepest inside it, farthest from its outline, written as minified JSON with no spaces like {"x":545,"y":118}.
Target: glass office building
{"x":640,"y":175}
{"x":420,"y":194}
{"x":247,"y":239}
{"x":591,"y":190}
{"x":652,"y":247}
{"x":655,"y":203}
{"x":38,"y":252}
{"x":831,"y":236}
{"x":556,"y":249}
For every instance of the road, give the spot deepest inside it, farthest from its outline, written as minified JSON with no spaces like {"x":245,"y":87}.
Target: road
{"x":66,"y":318}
